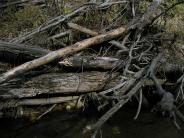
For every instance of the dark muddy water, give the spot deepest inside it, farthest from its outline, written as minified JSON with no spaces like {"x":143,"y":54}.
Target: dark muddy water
{"x":70,"y":125}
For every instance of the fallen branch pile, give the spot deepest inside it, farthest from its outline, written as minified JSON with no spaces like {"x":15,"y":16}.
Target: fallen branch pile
{"x":114,"y":64}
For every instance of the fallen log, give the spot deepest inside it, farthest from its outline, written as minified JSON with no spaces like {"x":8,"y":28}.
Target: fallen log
{"x":109,"y":63}
{"x":69,"y":84}
{"x":140,"y":24}
{"x":37,"y":112}
{"x":19,"y":53}
{"x":89,"y":62}
{"x":33,"y":102}
{"x":88,"y":31}
{"x":82,"y":29}
{"x":57,"y":83}
{"x":61,"y":53}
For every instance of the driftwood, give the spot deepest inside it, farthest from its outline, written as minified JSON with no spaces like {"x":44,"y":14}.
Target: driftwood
{"x":62,"y":104}
{"x":132,"y":69}
{"x":89,"y":62}
{"x":70,"y":84}
{"x":61,"y":53}
{"x":88,"y":31}
{"x":145,"y":20}
{"x":82,"y":29}
{"x":33,"y":102}
{"x":57,"y":83}
{"x":20,"y":53}
{"x":109,"y":63}
{"x":57,"y":36}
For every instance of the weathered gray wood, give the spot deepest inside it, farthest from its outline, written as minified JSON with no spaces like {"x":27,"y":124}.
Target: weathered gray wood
{"x":66,"y":83}
{"x":61,"y":53}
{"x":59,"y":83}
{"x":82,"y":29}
{"x":89,"y":62}
{"x":11,"y":52}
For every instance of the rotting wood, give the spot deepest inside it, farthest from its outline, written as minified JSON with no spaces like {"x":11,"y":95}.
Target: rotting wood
{"x":141,"y":44}
{"x":145,"y":20}
{"x":35,"y":113}
{"x":32,"y":102}
{"x":20,"y":53}
{"x":60,"y":83}
{"x":61,"y":53}
{"x":82,"y":29}
{"x":94,"y":33}
{"x":90,"y":62}
{"x":70,"y":84}
{"x":57,"y":36}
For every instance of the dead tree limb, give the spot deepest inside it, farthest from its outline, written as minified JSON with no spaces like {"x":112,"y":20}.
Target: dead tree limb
{"x":94,"y":33}
{"x":90,"y":62}
{"x":17,"y":52}
{"x":145,"y":20}
{"x":57,"y":83}
{"x":32,"y":102}
{"x":51,"y":23}
{"x":61,"y":53}
{"x":68,"y":32}
{"x":70,"y":84}
{"x":82,"y":29}
{"x":115,"y":108}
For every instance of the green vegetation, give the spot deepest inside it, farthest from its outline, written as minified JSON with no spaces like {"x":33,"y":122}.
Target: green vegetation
{"x":14,"y":23}
{"x":17,"y":22}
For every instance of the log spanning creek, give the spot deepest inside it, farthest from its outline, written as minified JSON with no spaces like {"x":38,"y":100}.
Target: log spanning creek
{"x":71,"y":125}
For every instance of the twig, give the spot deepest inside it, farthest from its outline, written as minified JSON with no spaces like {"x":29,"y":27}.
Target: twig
{"x":61,"y":53}
{"x":115,"y":108}
{"x":82,"y":29}
{"x":47,"y":111}
{"x":140,"y":104}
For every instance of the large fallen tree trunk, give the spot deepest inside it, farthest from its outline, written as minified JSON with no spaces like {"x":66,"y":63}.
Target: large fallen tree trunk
{"x":24,"y":108}
{"x":90,"y":62}
{"x":109,"y":63}
{"x":140,"y":24}
{"x":19,"y":53}
{"x":61,"y":53}
{"x":69,"y":84}
{"x":57,"y":83}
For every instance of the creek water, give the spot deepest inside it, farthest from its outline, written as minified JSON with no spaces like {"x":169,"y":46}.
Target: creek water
{"x":71,"y":125}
